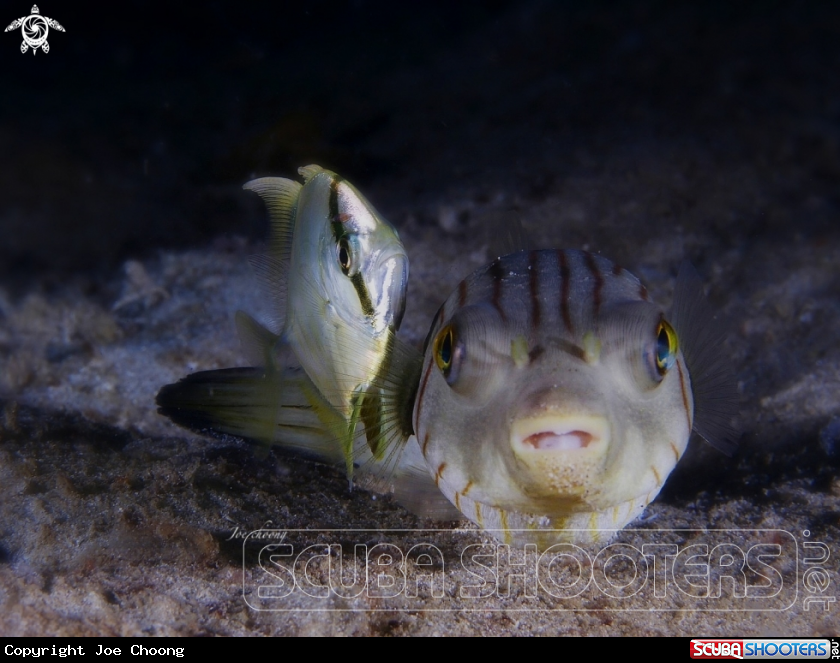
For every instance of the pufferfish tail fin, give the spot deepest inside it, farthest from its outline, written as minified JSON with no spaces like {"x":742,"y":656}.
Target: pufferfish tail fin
{"x":712,"y":380}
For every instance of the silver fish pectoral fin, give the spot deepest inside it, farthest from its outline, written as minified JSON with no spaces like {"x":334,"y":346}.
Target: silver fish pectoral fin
{"x":387,"y":405}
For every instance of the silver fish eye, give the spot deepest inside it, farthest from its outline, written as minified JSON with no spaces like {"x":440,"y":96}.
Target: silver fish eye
{"x":344,"y":256}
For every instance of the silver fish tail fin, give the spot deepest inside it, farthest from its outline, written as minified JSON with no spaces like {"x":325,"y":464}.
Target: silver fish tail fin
{"x":700,"y":336}
{"x":266,"y":406}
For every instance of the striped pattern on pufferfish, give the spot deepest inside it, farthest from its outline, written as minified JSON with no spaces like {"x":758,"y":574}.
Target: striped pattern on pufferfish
{"x":554,"y":395}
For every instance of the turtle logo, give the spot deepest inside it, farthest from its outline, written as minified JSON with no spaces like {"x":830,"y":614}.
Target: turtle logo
{"x":35,"y":29}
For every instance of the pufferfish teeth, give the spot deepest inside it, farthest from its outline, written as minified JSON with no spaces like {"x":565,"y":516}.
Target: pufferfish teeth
{"x":563,"y":433}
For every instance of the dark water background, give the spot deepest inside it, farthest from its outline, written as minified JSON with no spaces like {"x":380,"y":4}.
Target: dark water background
{"x":137,"y":129}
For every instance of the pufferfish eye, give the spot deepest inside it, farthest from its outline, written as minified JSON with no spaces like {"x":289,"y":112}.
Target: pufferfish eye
{"x":472,"y":350}
{"x":443,"y":349}
{"x":666,"y":347}
{"x":450,"y":356}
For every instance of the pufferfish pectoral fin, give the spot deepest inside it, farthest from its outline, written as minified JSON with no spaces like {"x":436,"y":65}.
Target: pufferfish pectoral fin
{"x":415,"y":488}
{"x":712,"y":379}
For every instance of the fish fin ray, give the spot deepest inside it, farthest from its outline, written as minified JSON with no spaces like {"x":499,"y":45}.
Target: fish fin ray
{"x":280,"y":196}
{"x":271,"y":275}
{"x":371,"y":414}
{"x":388,"y":421}
{"x":310,"y":171}
{"x":415,"y":489}
{"x":258,"y":343}
{"x":505,"y":234}
{"x":264,"y":406}
{"x":713,"y":385}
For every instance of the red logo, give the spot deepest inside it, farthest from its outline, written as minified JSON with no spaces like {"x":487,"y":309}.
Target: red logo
{"x":717,"y":649}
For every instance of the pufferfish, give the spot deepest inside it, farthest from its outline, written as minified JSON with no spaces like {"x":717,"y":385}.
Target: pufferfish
{"x":551,"y":401}
{"x":337,"y":273}
{"x":555,"y":396}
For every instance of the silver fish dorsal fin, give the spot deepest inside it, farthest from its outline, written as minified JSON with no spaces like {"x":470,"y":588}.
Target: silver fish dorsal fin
{"x":712,"y":379}
{"x":310,"y":171}
{"x":281,"y":197}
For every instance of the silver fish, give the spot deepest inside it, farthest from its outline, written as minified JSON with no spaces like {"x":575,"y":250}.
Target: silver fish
{"x":338,"y":273}
{"x":555,"y":396}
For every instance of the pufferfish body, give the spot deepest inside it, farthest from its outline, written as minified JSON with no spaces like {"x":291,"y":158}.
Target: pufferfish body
{"x":555,"y":396}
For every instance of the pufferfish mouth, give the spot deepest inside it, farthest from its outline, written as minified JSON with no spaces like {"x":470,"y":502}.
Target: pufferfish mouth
{"x":559,"y":433}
